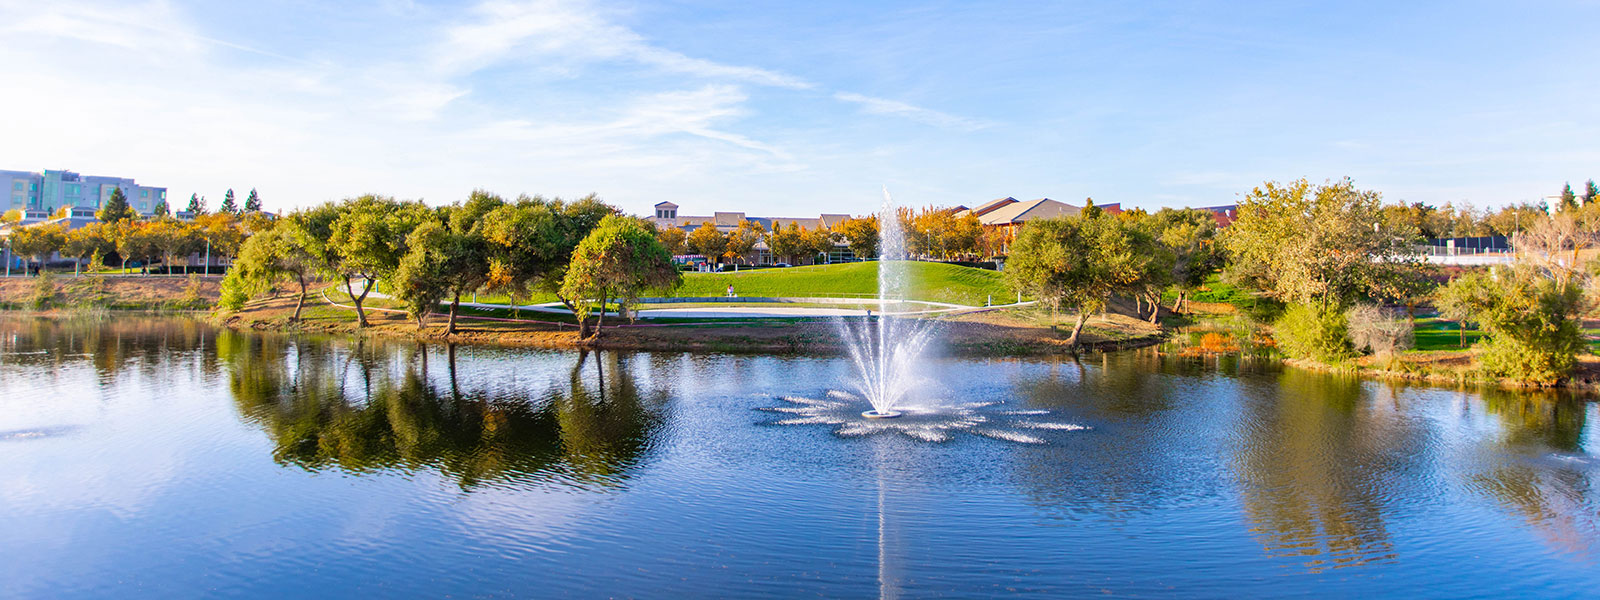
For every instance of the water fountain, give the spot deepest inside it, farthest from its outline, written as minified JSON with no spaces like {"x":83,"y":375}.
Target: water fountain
{"x":888,"y":352}
{"x":887,"y":349}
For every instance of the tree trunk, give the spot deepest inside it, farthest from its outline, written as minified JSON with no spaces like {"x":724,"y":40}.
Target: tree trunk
{"x":1077,"y":328}
{"x":300,"y":302}
{"x":1177,"y":302}
{"x":361,"y":315}
{"x":455,"y":302}
{"x":600,"y":322}
{"x":1155,"y":308}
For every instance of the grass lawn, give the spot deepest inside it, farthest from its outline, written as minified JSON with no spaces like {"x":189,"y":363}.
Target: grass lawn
{"x":937,"y":282}
{"x":1434,"y":333}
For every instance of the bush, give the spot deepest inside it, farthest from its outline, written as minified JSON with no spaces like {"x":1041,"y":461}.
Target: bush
{"x":235,"y":291}
{"x":1382,"y":332}
{"x":44,"y":291}
{"x":1531,"y":321}
{"x":88,"y":291}
{"x":1307,"y":332}
{"x":191,"y":293}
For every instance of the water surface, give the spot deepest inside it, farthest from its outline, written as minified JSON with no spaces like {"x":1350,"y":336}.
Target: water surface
{"x":156,"y":458}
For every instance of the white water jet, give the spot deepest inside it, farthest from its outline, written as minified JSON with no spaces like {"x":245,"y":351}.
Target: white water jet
{"x":887,"y":349}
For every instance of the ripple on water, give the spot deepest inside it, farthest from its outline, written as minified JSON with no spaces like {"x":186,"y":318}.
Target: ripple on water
{"x":933,"y":422}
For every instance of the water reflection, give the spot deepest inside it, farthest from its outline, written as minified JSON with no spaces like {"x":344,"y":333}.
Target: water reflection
{"x":1547,"y":481}
{"x":364,"y":406}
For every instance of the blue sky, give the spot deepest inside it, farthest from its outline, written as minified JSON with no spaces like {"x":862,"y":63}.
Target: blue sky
{"x":800,"y":108}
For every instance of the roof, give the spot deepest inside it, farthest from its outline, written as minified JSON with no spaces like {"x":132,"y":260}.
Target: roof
{"x":1019,"y":212}
{"x":992,"y":205}
{"x":666,"y":204}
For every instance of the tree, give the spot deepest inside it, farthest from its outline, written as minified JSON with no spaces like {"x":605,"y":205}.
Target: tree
{"x":252,"y":203}
{"x":264,"y":260}
{"x":116,"y":208}
{"x":161,"y":209}
{"x":222,"y":232}
{"x":173,"y":238}
{"x":228,"y":206}
{"x":1590,"y":192}
{"x":743,"y":240}
{"x":138,"y":241}
{"x":91,"y":242}
{"x":197,"y":205}
{"x":38,"y":242}
{"x":620,"y":260}
{"x":368,"y":241}
{"x":786,"y":242}
{"x":861,"y":234}
{"x":1076,"y":262}
{"x":1554,"y":245}
{"x":674,"y":239}
{"x":1191,"y":236}
{"x":816,"y":242}
{"x":447,"y":258}
{"x":707,"y":241}
{"x":1569,"y":200}
{"x":1312,"y":244}
{"x":1531,"y":321}
{"x":1513,"y":218}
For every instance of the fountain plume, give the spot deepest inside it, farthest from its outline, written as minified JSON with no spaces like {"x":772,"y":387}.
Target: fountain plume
{"x":887,"y":350}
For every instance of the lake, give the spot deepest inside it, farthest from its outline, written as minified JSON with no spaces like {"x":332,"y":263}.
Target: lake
{"x":164,"y":458}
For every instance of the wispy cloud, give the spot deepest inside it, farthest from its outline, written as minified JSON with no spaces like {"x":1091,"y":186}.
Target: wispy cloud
{"x":574,"y":30}
{"x":884,"y":106}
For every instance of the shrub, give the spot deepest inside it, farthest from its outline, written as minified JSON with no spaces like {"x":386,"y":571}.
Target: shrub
{"x":191,"y":293}
{"x":1307,"y":332}
{"x":1379,"y":331}
{"x":89,"y":290}
{"x":236,"y":290}
{"x":1531,"y":321}
{"x":44,"y":291}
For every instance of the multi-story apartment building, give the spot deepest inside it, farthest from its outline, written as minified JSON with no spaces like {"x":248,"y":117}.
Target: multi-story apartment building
{"x":49,"y":190}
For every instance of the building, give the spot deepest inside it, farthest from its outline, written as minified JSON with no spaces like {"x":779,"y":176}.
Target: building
{"x":49,"y":190}
{"x":666,"y":215}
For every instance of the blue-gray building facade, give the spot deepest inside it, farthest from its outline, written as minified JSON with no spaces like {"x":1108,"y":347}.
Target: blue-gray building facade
{"x":49,"y":190}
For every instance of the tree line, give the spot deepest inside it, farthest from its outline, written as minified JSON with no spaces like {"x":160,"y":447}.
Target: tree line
{"x":584,"y":252}
{"x":932,"y":233}
{"x":123,"y":236}
{"x":1344,"y":265}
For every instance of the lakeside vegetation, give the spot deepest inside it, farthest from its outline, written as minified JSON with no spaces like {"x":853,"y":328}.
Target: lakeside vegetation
{"x":1329,"y":271}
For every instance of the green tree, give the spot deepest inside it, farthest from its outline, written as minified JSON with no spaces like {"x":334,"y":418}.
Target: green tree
{"x":368,"y":239}
{"x":620,"y":260}
{"x":228,"y":205}
{"x":1191,"y":237}
{"x":531,"y":242}
{"x":161,"y":210}
{"x":1590,"y":192}
{"x":1531,"y":321}
{"x":1316,"y":244}
{"x":252,"y":203}
{"x":1075,"y":262}
{"x":197,"y":205}
{"x":116,"y":208}
{"x":266,"y":259}
{"x":861,"y":234}
{"x":709,"y":242}
{"x":447,"y":258}
{"x":1569,"y":200}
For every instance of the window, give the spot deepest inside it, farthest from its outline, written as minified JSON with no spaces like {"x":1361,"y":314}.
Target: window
{"x":16,"y":186}
{"x":144,"y":193}
{"x":74,"y":190}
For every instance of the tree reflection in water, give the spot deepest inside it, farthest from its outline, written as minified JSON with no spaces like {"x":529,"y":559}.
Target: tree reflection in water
{"x":1544,"y":479}
{"x":365,"y":406}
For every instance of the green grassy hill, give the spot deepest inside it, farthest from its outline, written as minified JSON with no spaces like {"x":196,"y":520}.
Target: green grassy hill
{"x":937,"y":282}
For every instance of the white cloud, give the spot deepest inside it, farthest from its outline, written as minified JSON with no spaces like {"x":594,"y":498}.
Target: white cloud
{"x":883,"y":106}
{"x":570,"y":30}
